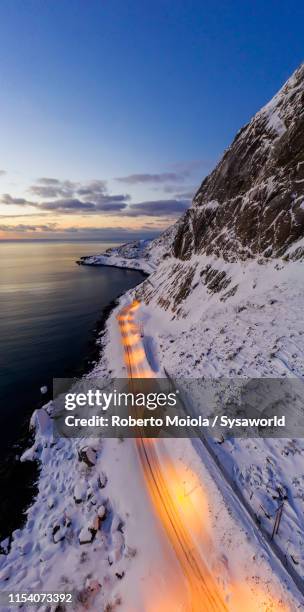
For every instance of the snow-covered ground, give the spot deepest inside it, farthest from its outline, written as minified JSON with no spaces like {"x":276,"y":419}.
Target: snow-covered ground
{"x":133,"y":255}
{"x":144,"y":255}
{"x":255,"y":332}
{"x":92,"y":529}
{"x":219,"y":302}
{"x":88,"y":532}
{"x":252,"y":331}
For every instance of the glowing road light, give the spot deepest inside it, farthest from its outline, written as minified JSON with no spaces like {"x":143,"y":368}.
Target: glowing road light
{"x":182,"y":507}
{"x":202,"y":589}
{"x":190,"y":497}
{"x":134,"y":306}
{"x":135,"y":356}
{"x":131,"y":341}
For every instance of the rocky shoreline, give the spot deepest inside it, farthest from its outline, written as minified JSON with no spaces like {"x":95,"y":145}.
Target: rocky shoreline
{"x":69,"y":504}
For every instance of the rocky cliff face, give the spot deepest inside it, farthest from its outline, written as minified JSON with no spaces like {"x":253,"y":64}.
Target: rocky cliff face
{"x":249,"y":211}
{"x":252,"y":204}
{"x":225,"y":300}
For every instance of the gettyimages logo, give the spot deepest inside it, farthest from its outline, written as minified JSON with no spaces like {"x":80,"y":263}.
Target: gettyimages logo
{"x":181,"y":408}
{"x":118,"y":399}
{"x":118,"y":408}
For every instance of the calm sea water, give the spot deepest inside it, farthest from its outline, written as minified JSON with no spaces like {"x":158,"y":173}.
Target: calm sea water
{"x":48,"y":310}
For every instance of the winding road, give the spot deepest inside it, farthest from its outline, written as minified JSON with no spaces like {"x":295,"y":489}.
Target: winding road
{"x":203,"y":592}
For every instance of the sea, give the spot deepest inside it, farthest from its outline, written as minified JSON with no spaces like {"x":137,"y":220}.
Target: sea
{"x":50,"y":309}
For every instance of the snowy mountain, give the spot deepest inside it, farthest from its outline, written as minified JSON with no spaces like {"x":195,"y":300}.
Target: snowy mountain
{"x":228,"y":301}
{"x":252,"y":204}
{"x":250,"y":208}
{"x":142,"y":255}
{"x":224,"y":298}
{"x":226,"y":295}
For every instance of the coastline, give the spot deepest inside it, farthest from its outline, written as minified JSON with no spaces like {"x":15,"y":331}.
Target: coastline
{"x":27,"y":473}
{"x":114,"y":265}
{"x":74,"y":518}
{"x":71,"y":491}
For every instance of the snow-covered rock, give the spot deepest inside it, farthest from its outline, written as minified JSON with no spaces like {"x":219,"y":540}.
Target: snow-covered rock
{"x":226,"y":296}
{"x":86,"y":535}
{"x":80,"y":492}
{"x":88,"y":455}
{"x":143,"y":255}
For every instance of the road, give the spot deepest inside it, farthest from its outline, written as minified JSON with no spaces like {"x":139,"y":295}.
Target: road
{"x":203,"y":593}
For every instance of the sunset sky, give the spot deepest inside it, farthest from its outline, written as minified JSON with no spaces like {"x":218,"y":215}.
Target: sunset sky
{"x":112,"y":112}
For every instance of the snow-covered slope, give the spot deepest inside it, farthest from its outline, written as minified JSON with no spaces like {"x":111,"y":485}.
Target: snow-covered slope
{"x":132,"y":255}
{"x":255,"y":332}
{"x":227,"y":298}
{"x":224,"y":297}
{"x":250,"y":207}
{"x":142,"y":255}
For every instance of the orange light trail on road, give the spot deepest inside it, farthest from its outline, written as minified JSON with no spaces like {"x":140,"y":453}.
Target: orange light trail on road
{"x":202,"y":588}
{"x":180,"y":501}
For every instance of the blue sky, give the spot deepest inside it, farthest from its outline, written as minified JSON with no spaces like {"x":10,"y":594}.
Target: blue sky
{"x":101,"y":90}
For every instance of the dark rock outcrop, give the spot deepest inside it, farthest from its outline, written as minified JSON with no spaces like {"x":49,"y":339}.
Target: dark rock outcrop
{"x":252,"y":204}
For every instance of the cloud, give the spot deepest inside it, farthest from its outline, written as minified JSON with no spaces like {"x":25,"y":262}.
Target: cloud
{"x":163,"y":177}
{"x":45,"y":191}
{"x":88,"y":198}
{"x":158,"y":208}
{"x":107,"y":231}
{"x":106,"y":204}
{"x":181,"y":195}
{"x":65,"y":197}
{"x":67,"y":205}
{"x":186,"y":195}
{"x":95,"y":185}
{"x":2,"y":172}
{"x":25,"y":215}
{"x":48,"y":181}
{"x":21,"y":227}
{"x":6,"y":198}
{"x":52,"y":231}
{"x":180,"y":171}
{"x":92,"y":188}
{"x":52,"y":188}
